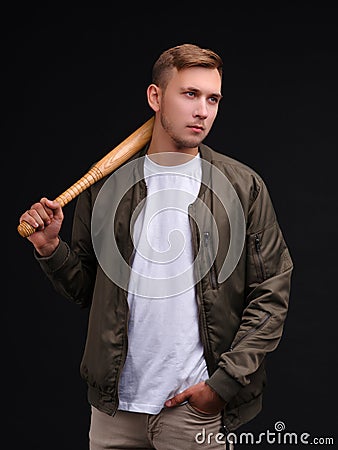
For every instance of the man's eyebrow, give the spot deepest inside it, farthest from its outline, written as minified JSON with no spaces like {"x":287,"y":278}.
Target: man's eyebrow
{"x":218,"y":95}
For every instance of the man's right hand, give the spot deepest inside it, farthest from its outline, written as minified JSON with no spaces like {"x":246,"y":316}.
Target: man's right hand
{"x":46,"y":217}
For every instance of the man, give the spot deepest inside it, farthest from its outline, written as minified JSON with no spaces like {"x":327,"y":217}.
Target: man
{"x":187,"y":277}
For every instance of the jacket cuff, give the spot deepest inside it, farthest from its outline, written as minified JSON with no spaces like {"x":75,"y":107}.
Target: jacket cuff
{"x":56,"y":260}
{"x":222,"y":383}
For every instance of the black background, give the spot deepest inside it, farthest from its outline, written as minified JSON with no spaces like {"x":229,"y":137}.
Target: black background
{"x":74,"y":87}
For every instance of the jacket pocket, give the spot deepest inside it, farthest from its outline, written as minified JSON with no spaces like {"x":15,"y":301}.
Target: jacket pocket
{"x":209,"y":260}
{"x":268,"y":255}
{"x":258,"y":258}
{"x":250,"y":331}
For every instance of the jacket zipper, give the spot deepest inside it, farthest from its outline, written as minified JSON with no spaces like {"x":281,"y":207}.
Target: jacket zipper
{"x":123,"y":360}
{"x":126,"y":326}
{"x":199,"y":295}
{"x":252,"y":330}
{"x":259,"y":256}
{"x":212,"y":274}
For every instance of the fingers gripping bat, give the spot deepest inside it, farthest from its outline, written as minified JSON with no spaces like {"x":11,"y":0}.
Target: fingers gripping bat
{"x":111,"y":161}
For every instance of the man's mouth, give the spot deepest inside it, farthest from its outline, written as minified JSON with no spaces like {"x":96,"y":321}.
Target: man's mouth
{"x":197,"y":128}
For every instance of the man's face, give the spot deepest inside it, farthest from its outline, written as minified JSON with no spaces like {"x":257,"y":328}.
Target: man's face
{"x":189,"y":105}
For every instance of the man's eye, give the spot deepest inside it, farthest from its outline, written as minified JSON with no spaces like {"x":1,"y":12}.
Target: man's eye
{"x":190,"y":94}
{"x":213,"y":99}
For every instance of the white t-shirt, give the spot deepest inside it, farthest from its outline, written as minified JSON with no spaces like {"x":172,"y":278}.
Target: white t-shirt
{"x":165,"y":354}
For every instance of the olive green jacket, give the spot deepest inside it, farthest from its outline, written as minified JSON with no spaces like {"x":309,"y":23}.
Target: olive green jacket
{"x":241,"y":317}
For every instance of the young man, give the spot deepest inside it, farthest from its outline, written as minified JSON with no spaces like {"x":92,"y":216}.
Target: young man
{"x":176,"y":342}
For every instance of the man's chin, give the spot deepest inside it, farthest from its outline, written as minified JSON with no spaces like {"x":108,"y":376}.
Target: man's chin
{"x":189,"y":143}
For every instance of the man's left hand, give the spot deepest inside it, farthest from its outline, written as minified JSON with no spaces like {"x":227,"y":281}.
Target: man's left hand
{"x":201,"y":397}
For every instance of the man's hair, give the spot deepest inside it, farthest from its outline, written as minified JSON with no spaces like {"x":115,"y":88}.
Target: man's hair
{"x":182,"y":57}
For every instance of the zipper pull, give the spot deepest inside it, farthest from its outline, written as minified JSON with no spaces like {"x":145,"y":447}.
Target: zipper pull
{"x":206,"y":238}
{"x":257,"y":243}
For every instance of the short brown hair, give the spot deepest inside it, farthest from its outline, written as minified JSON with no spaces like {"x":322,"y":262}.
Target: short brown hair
{"x":182,"y":57}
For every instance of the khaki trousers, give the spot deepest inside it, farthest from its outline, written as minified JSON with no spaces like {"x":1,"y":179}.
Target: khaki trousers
{"x":178,"y":428}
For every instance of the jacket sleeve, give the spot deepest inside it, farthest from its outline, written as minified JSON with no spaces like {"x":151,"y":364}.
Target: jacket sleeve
{"x":72,"y":268}
{"x":267,"y":284}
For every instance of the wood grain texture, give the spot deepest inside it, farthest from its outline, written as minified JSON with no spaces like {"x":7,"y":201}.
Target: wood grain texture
{"x":111,"y":161}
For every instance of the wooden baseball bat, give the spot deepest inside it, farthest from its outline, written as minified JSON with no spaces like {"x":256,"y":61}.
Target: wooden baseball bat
{"x":103,"y":167}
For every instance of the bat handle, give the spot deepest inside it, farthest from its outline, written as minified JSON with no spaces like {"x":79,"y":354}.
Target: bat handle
{"x":25,"y":229}
{"x":91,"y":177}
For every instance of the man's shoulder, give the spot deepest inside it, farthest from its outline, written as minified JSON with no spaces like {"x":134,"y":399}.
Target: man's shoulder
{"x":226,"y":162}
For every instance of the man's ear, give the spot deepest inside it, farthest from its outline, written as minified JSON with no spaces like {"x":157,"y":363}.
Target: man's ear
{"x":154,"y":97}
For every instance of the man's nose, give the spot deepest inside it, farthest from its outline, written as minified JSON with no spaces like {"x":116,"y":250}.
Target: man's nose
{"x":202,"y":109}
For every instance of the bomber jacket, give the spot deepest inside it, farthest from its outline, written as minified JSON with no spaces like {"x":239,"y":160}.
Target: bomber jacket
{"x":241,"y":317}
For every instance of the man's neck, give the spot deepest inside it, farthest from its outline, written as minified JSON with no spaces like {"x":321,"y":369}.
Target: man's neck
{"x":171,"y":158}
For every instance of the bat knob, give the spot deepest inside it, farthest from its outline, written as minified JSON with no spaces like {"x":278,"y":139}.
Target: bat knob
{"x":25,"y":229}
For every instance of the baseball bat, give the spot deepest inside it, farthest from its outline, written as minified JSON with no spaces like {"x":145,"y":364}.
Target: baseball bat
{"x":111,"y":161}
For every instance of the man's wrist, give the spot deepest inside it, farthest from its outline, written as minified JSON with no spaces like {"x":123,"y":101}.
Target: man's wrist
{"x":48,"y":249}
